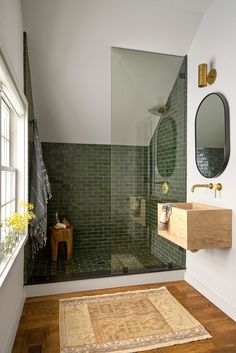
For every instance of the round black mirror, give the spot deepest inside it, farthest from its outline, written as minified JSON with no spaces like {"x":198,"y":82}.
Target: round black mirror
{"x":212,"y":135}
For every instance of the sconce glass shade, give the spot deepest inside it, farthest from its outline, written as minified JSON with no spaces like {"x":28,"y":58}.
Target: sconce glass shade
{"x":202,"y":75}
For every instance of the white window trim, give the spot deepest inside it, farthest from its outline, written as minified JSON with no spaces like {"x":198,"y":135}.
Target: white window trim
{"x":10,"y":261}
{"x":11,"y":92}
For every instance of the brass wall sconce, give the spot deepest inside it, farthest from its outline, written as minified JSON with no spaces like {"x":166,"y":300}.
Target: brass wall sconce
{"x":205,"y":78}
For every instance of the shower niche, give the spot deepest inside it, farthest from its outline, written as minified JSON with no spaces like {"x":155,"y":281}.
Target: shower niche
{"x":166,"y":152}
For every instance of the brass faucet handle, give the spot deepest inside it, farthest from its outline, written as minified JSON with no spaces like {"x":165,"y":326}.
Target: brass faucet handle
{"x":218,"y":186}
{"x":165,"y":188}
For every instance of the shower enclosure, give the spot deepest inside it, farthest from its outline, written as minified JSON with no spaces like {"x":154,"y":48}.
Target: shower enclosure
{"x":148,"y":157}
{"x":110,"y":193}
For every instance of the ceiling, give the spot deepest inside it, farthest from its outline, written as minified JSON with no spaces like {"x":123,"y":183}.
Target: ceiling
{"x":70,"y":57}
{"x":188,"y":5}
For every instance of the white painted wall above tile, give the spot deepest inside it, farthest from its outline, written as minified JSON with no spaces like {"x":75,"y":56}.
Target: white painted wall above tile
{"x":11,"y":37}
{"x":70,"y":53}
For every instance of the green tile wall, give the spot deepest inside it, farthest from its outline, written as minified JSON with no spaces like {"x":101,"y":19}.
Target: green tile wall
{"x":80,"y":176}
{"x":162,"y":146}
{"x":91,"y":185}
{"x":28,"y":261}
{"x":128,"y":177}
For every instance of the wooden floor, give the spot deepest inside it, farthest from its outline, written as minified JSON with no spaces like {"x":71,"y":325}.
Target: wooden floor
{"x":38,"y":331}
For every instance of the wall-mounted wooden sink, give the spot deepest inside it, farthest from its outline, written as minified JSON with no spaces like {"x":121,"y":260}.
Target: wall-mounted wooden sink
{"x":195,"y":226}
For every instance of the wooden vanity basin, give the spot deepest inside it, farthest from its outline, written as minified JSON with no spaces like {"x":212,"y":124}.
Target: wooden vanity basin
{"x":196,"y":226}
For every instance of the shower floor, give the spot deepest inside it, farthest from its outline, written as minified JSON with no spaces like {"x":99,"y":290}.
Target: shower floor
{"x":87,"y":264}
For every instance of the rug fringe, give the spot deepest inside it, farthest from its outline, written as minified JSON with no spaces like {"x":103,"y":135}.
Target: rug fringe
{"x":113,"y":294}
{"x":162,"y":345}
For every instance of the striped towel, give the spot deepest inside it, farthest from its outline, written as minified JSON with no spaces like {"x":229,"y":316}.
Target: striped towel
{"x":39,"y":194}
{"x":165,"y":216}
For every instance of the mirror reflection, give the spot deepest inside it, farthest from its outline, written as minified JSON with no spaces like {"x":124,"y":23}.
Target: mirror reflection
{"x":212,"y":135}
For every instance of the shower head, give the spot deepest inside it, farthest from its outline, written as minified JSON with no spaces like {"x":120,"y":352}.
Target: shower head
{"x":158,"y":109}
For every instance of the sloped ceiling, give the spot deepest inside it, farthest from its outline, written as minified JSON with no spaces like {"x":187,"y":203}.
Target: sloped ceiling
{"x":70,"y":56}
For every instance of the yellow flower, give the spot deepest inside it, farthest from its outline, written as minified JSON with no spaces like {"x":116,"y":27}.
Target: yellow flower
{"x":17,"y":221}
{"x":17,"y":224}
{"x":26,"y":205}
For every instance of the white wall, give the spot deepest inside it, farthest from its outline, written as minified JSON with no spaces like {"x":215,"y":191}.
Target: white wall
{"x":213,"y":272}
{"x":12,"y":297}
{"x":11,"y":292}
{"x":70,"y":55}
{"x":11,"y":37}
{"x":140,"y":80}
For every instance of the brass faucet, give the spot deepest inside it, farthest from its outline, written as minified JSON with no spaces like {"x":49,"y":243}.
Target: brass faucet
{"x":208,"y":186}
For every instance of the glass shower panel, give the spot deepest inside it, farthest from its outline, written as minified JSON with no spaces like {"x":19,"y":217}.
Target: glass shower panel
{"x":128,"y":208}
{"x":148,"y":148}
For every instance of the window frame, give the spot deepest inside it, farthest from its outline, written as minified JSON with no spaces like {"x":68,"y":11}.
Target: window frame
{"x":15,"y":100}
{"x":12,"y":135}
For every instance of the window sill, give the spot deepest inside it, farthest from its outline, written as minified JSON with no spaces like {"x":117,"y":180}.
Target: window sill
{"x":7,"y":261}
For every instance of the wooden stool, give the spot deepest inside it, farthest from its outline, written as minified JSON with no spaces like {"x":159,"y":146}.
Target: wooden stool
{"x":58,"y":235}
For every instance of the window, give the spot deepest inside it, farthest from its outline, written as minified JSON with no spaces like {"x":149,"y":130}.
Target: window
{"x":13,"y":157}
{"x":8,"y":171}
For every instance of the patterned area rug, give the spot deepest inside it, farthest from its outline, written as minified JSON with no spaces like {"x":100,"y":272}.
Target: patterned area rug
{"x":126,"y":322}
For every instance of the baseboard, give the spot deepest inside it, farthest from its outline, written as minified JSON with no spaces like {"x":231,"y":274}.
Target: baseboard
{"x":15,"y":323}
{"x":101,"y":283}
{"x":226,"y":307}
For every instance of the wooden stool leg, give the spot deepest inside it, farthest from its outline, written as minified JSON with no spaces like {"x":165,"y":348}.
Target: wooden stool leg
{"x":54,"y":249}
{"x":69,"y":246}
{"x":61,"y":235}
{"x":71,"y":249}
